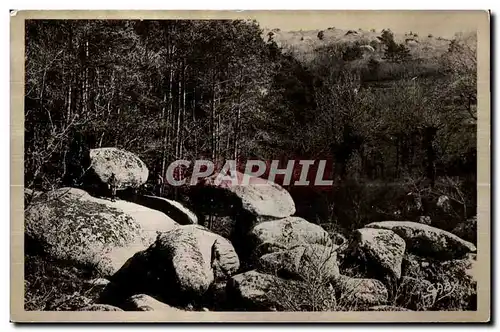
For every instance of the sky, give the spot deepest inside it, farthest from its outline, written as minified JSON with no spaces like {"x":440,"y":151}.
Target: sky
{"x":439,"y":23}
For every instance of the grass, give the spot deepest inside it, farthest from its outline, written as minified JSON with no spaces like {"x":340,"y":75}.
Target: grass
{"x":55,"y":285}
{"x":436,"y":285}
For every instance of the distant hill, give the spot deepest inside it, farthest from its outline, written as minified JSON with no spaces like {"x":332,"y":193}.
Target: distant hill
{"x":302,"y":43}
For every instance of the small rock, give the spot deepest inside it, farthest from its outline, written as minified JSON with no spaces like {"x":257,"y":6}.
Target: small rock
{"x":361,"y":291}
{"x":443,"y":203}
{"x":388,"y":308}
{"x":98,"y":282}
{"x":100,"y":307}
{"x":143,"y":302}
{"x":426,"y":220}
{"x":253,"y":290}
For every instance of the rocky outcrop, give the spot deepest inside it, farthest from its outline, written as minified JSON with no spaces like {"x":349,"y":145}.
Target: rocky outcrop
{"x":286,"y":233}
{"x":70,"y":224}
{"x":143,"y":302}
{"x":179,"y":266}
{"x":130,"y":171}
{"x":173,"y":209}
{"x":382,"y":249}
{"x":426,"y":240}
{"x":357,"y":292}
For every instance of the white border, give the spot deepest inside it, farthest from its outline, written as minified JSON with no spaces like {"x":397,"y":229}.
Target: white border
{"x":185,"y":4}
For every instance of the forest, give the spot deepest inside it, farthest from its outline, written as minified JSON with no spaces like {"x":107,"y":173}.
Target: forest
{"x":390,"y":121}
{"x":393,"y":115}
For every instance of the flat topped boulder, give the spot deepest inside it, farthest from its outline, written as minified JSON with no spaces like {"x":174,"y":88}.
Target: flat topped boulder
{"x":425,"y":240}
{"x":259,"y":197}
{"x":129,"y":170}
{"x":68,"y":223}
{"x":171,"y":208}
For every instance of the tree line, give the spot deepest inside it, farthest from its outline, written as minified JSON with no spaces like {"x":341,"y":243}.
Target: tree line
{"x":217,"y":89}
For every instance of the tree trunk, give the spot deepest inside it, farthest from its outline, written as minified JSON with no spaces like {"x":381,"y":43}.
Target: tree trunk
{"x":429,"y":137}
{"x":212,"y":122}
{"x":86,"y":78}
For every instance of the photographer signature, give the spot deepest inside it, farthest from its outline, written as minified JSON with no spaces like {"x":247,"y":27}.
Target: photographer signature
{"x":438,"y":291}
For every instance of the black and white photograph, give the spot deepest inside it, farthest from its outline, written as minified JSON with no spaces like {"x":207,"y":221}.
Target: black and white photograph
{"x":262,"y":163}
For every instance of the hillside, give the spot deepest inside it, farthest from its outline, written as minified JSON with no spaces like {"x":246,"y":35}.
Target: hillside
{"x":302,"y":43}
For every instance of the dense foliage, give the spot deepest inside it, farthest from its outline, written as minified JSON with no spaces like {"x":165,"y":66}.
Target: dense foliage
{"x":220,"y":89}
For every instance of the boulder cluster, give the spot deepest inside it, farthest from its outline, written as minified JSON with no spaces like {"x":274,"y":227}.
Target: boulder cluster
{"x":153,"y":254}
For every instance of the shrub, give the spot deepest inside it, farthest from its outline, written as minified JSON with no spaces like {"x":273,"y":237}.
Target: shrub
{"x":436,"y":285}
{"x":313,"y":293}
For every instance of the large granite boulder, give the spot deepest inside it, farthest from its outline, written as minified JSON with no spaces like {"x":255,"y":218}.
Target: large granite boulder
{"x":286,"y":233}
{"x":302,"y":263}
{"x":171,"y":208}
{"x":380,"y":249}
{"x":70,"y":224}
{"x":259,"y":197}
{"x":179,"y":267}
{"x":130,"y":171}
{"x":426,"y":240}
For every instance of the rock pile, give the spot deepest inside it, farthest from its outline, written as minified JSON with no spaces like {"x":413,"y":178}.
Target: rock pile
{"x":155,"y":256}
